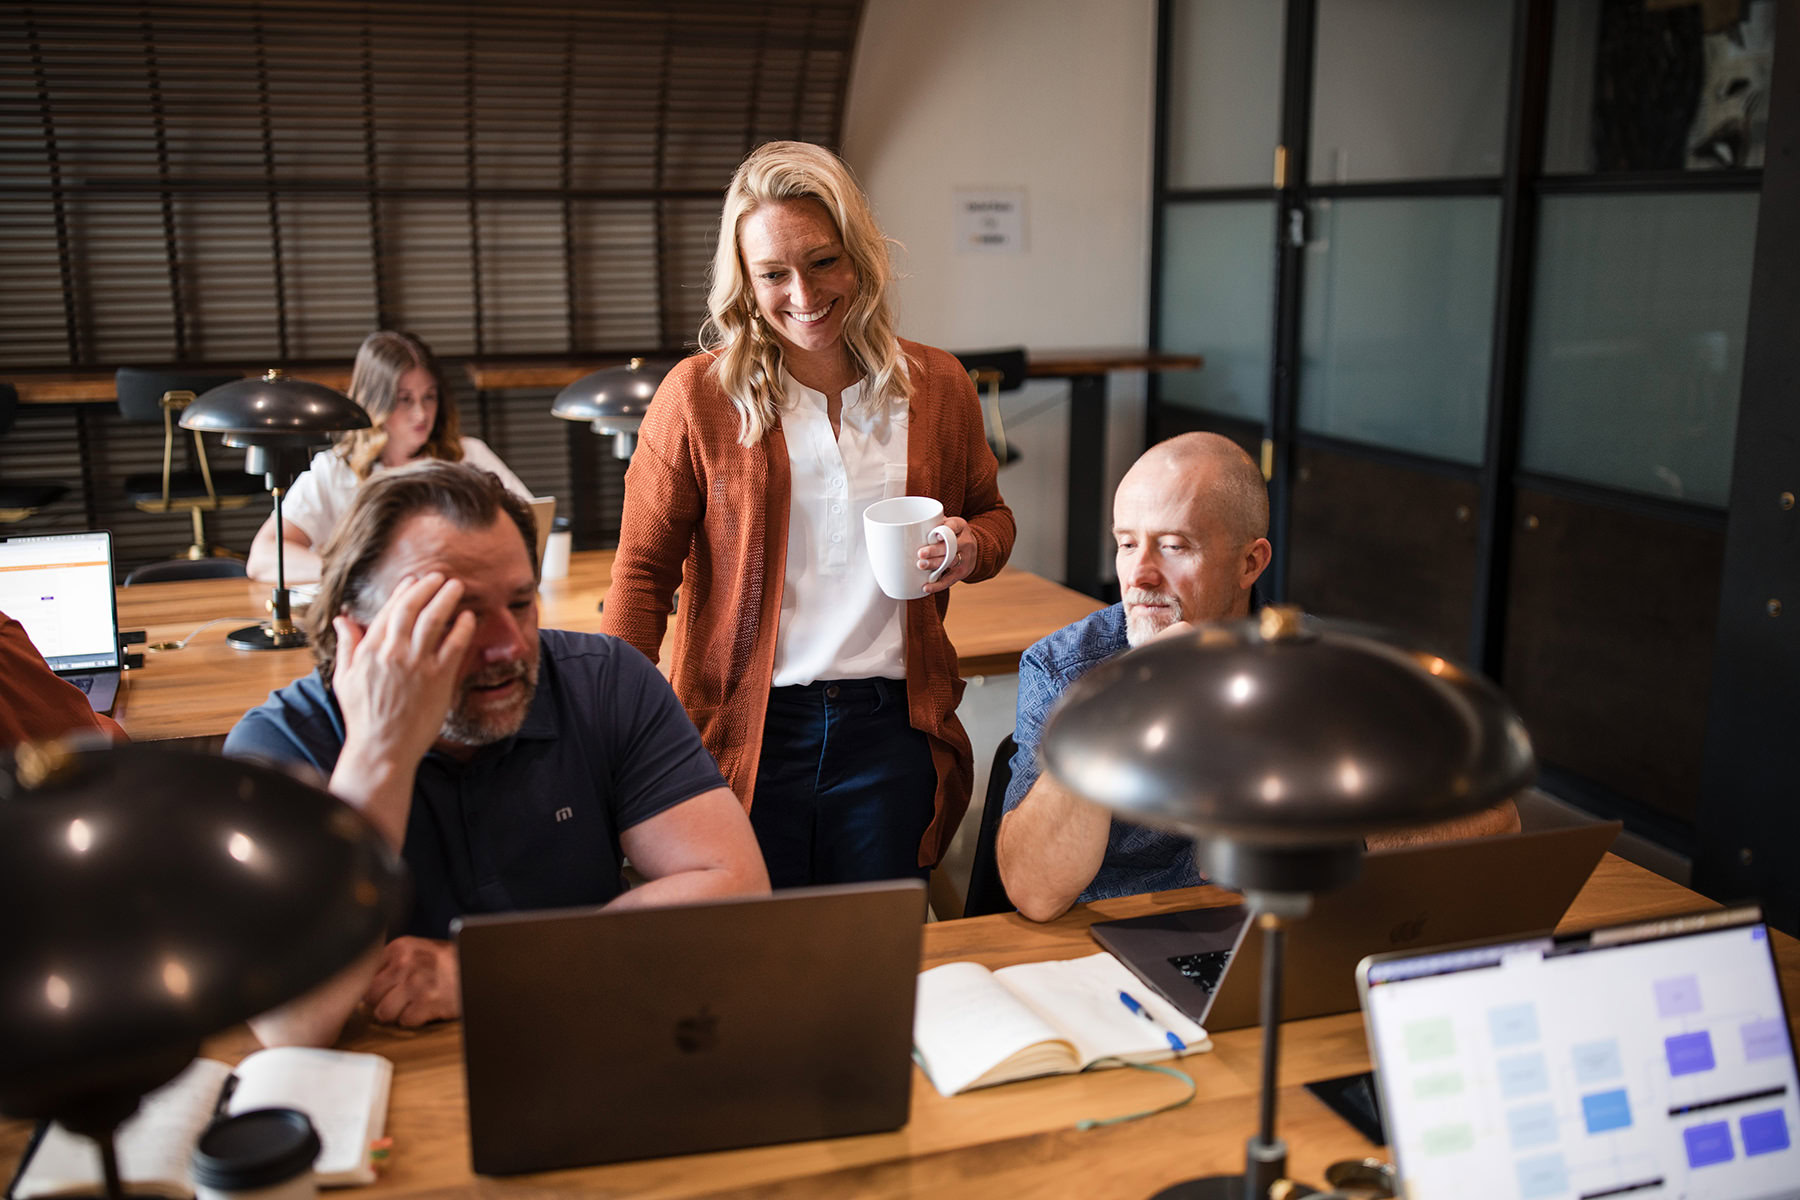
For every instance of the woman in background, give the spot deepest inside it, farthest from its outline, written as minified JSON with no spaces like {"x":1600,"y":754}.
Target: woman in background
{"x":399,"y":383}
{"x":830,"y":707}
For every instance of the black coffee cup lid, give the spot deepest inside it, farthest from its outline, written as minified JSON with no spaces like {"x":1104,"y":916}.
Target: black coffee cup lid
{"x":255,"y":1149}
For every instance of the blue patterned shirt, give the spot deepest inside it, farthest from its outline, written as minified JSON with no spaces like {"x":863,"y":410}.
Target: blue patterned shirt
{"x":1137,"y":859}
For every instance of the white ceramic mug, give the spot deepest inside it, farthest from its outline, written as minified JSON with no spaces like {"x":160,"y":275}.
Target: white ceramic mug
{"x":894,"y":529}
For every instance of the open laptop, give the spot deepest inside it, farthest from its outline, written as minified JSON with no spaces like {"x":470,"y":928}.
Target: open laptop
{"x":1202,"y":962}
{"x":543,"y":511}
{"x":59,"y":586}
{"x":1650,"y":1059}
{"x":592,"y":1036}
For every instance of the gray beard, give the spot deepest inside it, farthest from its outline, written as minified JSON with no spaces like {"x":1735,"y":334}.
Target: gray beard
{"x":464,"y":728}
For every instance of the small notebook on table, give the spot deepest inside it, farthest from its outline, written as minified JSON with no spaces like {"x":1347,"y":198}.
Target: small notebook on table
{"x":345,"y":1095}
{"x":973,"y":1027}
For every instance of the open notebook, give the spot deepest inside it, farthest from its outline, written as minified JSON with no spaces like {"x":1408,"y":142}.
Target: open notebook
{"x":344,"y":1094}
{"x":973,"y":1027}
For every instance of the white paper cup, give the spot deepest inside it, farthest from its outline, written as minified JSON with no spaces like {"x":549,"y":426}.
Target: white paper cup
{"x":894,"y":529}
{"x":556,"y":556}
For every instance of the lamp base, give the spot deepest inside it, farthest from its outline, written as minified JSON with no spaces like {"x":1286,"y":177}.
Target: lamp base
{"x":1223,"y":1187}
{"x":265,"y":637}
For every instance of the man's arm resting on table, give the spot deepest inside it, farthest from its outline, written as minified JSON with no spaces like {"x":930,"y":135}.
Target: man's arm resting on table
{"x":699,"y":848}
{"x":1050,"y":848}
{"x":1489,"y":822}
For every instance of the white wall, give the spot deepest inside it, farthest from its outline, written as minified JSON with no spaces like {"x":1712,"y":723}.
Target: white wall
{"x":1055,"y":97}
{"x":1051,"y":96}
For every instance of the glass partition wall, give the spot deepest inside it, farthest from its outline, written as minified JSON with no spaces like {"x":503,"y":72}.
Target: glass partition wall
{"x":1473,"y":280}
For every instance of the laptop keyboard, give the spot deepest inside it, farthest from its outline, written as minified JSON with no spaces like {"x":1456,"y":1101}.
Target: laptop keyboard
{"x":84,"y":682}
{"x":1203,"y":970}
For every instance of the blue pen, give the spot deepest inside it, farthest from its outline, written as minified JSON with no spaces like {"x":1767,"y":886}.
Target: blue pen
{"x":1131,"y":1002}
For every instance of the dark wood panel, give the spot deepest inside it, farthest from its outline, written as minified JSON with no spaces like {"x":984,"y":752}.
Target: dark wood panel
{"x":1391,"y":545}
{"x":1609,"y":644}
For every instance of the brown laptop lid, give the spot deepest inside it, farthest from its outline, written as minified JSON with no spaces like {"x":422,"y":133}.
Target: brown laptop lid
{"x":597,"y":1036}
{"x":1403,"y":899}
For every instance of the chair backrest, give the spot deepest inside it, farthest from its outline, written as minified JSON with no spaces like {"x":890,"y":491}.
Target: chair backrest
{"x":141,"y":391}
{"x":986,"y":893}
{"x":993,"y":372}
{"x":1009,"y":364}
{"x":9,"y":406}
{"x":171,"y":570}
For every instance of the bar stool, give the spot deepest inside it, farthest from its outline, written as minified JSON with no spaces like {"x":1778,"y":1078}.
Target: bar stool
{"x":160,"y":396}
{"x":21,"y":498}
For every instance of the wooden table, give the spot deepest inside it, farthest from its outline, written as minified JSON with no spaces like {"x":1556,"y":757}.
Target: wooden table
{"x":96,"y":387}
{"x":201,"y":691}
{"x":1010,"y":1141}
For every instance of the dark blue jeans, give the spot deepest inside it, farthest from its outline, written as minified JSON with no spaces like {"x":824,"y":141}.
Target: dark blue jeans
{"x":845,"y":786}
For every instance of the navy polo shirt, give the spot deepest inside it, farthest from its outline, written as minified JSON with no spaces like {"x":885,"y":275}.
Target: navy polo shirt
{"x":532,"y":821}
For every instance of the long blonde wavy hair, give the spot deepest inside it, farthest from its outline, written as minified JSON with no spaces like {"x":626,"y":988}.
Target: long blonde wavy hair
{"x":384,"y":357}
{"x":746,"y":354}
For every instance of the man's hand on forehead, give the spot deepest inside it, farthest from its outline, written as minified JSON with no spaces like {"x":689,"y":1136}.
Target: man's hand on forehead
{"x":395,"y":678}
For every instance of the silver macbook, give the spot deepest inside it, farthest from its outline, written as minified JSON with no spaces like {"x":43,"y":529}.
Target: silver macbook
{"x":1201,"y":961}
{"x":593,"y":1036}
{"x":1651,"y":1059}
{"x":59,"y":586}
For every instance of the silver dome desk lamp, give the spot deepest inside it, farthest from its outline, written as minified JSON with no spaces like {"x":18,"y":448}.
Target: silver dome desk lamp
{"x":162,"y":895}
{"x":279,"y":421}
{"x":613,"y":400}
{"x":1277,"y":743}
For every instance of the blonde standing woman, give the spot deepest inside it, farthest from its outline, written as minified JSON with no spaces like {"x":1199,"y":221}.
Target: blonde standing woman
{"x":398,"y":381}
{"x":830,"y":707}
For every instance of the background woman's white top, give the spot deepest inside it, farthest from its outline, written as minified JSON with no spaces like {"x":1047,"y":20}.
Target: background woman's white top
{"x":836,"y":623}
{"x":322,"y":495}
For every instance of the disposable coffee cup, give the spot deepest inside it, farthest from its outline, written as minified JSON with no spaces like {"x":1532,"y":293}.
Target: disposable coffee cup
{"x":893,"y":530}
{"x":556,"y":555}
{"x":263,"y":1154}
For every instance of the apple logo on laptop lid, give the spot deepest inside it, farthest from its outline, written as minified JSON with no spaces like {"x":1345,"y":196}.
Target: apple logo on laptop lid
{"x":698,"y":1032}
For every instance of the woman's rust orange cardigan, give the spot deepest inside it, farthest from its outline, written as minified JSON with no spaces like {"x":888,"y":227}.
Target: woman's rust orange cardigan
{"x":710,"y":515}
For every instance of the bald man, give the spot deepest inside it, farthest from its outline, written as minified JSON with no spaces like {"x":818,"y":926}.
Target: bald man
{"x":1191,"y":523}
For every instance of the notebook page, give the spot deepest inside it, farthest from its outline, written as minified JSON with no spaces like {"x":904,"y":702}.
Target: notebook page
{"x":964,"y":1024}
{"x":152,"y":1146}
{"x":344,"y":1093}
{"x":1080,"y":996}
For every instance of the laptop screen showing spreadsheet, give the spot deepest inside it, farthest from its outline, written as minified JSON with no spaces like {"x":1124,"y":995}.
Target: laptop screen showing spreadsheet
{"x":59,"y":586}
{"x":1644,"y":1060}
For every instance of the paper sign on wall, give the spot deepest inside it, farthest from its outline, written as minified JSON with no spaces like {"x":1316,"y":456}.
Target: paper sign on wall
{"x":990,"y":221}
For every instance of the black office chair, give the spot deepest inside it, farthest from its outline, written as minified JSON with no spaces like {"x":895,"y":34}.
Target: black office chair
{"x":174,"y":570}
{"x":20,"y":498}
{"x":196,"y":490}
{"x":993,"y":372}
{"x":986,"y":893}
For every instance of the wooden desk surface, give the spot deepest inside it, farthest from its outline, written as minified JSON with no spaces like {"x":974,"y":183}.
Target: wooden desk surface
{"x":1015,"y":1140}
{"x":96,"y":387}
{"x":1062,"y":364}
{"x":201,"y":691}
{"x":1052,"y":364}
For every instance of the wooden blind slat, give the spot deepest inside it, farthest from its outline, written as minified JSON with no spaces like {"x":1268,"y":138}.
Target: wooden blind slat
{"x":212,"y":181}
